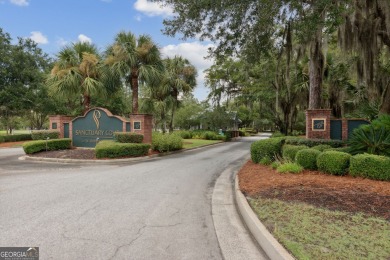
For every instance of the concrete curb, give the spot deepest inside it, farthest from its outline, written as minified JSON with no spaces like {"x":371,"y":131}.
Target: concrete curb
{"x":86,"y":161}
{"x":267,"y":242}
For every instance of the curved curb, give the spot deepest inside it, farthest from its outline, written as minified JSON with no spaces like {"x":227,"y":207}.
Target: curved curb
{"x":267,"y":242}
{"x":86,"y":161}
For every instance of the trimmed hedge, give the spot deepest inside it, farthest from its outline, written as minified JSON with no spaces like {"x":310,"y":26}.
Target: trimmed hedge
{"x":370,"y":166}
{"x":314,"y":142}
{"x":15,"y":138}
{"x":112,"y":149}
{"x":289,"y":151}
{"x":323,"y":147}
{"x":44,"y":134}
{"x":50,"y":145}
{"x":333,"y":162}
{"x":166,"y":142}
{"x":128,"y":137}
{"x":307,"y":158}
{"x":266,"y":148}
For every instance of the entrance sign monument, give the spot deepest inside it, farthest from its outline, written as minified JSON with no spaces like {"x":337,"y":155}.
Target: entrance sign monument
{"x":97,"y":124}
{"x":100,"y":124}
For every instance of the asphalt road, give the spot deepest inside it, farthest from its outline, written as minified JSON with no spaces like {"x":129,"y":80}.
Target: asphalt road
{"x":156,"y":209}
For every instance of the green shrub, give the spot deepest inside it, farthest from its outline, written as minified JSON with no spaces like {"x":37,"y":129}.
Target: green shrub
{"x":15,"y":138}
{"x":368,"y":139}
{"x":277,"y":134}
{"x":128,"y":137}
{"x":44,"y":134}
{"x":383,"y":120}
{"x":112,"y":149}
{"x":370,"y":166}
{"x":166,"y":142}
{"x":313,"y":142}
{"x":322,"y":147}
{"x":344,"y":149}
{"x":228,"y":135}
{"x":275,"y":164}
{"x":49,"y":145}
{"x":266,"y":148}
{"x":333,"y":162}
{"x":184,"y":134}
{"x":307,"y":158}
{"x":289,"y":168}
{"x":265,"y":161}
{"x":289,"y":151}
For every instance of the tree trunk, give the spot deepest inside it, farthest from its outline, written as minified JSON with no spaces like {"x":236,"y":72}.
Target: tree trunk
{"x":316,"y":66}
{"x":385,"y":106}
{"x":86,"y":102}
{"x":175,"y":95}
{"x":134,"y":89}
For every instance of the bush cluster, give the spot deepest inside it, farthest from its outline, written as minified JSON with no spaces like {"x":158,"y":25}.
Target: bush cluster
{"x":184,"y":134}
{"x":289,"y":151}
{"x":333,"y":162}
{"x":166,"y":142}
{"x":289,"y":167}
{"x":15,"y":138}
{"x":112,"y":149}
{"x":307,"y":158}
{"x":44,"y":134}
{"x":370,"y":166}
{"x":49,"y":145}
{"x":266,"y":148}
{"x":323,"y":147}
{"x":314,"y":142}
{"x":128,"y":137}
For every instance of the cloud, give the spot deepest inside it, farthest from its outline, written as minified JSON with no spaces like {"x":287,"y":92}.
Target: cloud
{"x":61,"y":42}
{"x":39,"y":38}
{"x":138,"y":18}
{"x":20,"y":2}
{"x":195,"y":52}
{"x":84,"y":38}
{"x":152,"y":9}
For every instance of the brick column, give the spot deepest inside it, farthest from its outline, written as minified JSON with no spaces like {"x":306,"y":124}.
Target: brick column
{"x":57,"y":123}
{"x":142,"y":124}
{"x":318,"y":115}
{"x":344,"y":127}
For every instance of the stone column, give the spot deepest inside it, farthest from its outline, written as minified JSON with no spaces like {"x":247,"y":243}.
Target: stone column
{"x":318,"y":123}
{"x":142,"y":124}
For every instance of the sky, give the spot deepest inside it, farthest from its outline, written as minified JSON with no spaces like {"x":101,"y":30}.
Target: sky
{"x":54,"y":24}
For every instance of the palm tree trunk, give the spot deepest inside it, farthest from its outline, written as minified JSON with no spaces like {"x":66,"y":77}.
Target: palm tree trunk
{"x":134,"y":89}
{"x":86,"y":102}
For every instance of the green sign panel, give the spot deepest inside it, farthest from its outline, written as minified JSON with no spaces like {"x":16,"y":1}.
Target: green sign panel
{"x":319,"y":124}
{"x":94,"y":126}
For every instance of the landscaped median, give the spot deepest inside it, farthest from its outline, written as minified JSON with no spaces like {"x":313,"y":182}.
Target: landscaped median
{"x":125,"y":145}
{"x":335,"y":212}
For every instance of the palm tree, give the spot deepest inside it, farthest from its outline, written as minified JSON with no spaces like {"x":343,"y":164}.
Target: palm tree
{"x":180,"y":78}
{"x":136,"y":60}
{"x":77,"y":71}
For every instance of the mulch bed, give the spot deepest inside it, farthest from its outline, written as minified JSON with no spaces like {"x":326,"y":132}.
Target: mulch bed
{"x":77,"y":153}
{"x":344,"y":193}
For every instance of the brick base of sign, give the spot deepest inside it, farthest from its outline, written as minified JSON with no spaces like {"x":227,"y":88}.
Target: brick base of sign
{"x":57,"y":122}
{"x":142,"y":124}
{"x":318,"y":123}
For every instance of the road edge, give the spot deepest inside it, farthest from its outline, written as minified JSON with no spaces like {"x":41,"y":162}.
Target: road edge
{"x":264,"y":238}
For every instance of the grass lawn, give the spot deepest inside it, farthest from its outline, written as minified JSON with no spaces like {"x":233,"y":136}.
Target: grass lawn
{"x":193,"y":143}
{"x":315,"y":233}
{"x":3,"y":132}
